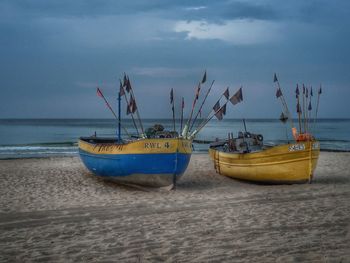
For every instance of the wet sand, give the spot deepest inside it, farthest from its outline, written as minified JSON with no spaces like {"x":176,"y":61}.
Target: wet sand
{"x":54,"y":210}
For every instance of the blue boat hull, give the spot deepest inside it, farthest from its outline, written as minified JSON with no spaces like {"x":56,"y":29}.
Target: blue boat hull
{"x":156,"y":169}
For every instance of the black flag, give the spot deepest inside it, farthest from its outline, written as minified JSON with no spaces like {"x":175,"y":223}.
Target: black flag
{"x":227,"y":93}
{"x":297,"y":91}
{"x":216,"y":106}
{"x":278,"y":93}
{"x":121,"y":90}
{"x":132,"y":106}
{"x":309,"y":108}
{"x":171,"y":96}
{"x":298,"y":108}
{"x":128,"y":85}
{"x":128,"y":109}
{"x":237,"y":98}
{"x":311,"y":93}
{"x":219,"y":115}
{"x":204,"y":79}
{"x":197,"y":91}
{"x":275,"y":78}
{"x":125,"y":80}
{"x":283,"y":118}
{"x":223,"y":109}
{"x":320,"y":90}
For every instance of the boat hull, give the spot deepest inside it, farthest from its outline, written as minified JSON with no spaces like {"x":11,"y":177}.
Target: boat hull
{"x":289,"y":163}
{"x":149,"y":162}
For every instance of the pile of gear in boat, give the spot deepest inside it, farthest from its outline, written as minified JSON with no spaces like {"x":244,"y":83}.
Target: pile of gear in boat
{"x":158,"y":131}
{"x":245,"y":142}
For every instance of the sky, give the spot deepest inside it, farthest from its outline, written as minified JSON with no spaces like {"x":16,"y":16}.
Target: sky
{"x":54,"y":53}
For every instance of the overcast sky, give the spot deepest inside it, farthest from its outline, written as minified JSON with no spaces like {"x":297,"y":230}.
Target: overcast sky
{"x":54,"y":53}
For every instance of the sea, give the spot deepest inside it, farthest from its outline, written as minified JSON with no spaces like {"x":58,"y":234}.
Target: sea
{"x":28,"y":138}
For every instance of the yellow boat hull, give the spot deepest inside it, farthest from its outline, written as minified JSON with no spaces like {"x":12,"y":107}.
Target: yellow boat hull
{"x":288,"y":163}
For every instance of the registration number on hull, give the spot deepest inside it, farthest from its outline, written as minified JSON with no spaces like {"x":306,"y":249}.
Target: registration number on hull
{"x":297,"y":147}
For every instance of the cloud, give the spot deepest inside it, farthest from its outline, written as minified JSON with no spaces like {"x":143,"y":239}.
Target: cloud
{"x":238,"y":32}
{"x":195,"y":8}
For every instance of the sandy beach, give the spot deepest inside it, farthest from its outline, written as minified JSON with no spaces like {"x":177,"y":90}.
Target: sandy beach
{"x":53,"y":209}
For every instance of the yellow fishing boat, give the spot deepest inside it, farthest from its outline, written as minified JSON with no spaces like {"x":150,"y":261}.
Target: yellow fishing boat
{"x":246,"y":158}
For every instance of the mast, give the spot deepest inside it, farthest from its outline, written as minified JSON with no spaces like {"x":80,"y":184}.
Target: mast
{"x":119,"y":116}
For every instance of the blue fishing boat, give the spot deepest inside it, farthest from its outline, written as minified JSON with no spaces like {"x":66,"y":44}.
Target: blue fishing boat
{"x":155,"y":157}
{"x":152,"y":162}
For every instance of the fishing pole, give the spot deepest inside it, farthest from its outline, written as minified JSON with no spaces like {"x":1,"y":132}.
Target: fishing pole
{"x":318,"y":101}
{"x":298,"y":107}
{"x":172,"y":101}
{"x":284,"y":103}
{"x":200,"y":108}
{"x":100,"y":94}
{"x":304,"y":114}
{"x":182,"y":112}
{"x":205,"y":123}
{"x":127,"y":103}
{"x":185,"y":131}
{"x":137,"y":110}
{"x":193,"y":105}
{"x":200,"y":124}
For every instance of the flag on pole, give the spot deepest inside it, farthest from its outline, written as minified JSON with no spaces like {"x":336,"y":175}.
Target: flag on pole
{"x":303,"y":89}
{"x":310,"y":107}
{"x":99,"y":92}
{"x":219,"y":115}
{"x":275,"y":78}
{"x":216,"y":106}
{"x":298,"y":108}
{"x":227,"y":93}
{"x":223,"y":109}
{"x":237,"y":97}
{"x":171,"y":96}
{"x":278,"y":93}
{"x":121,"y":89}
{"x":197,"y":95}
{"x":183,"y":103}
{"x":198,"y":90}
{"x":297,"y":91}
{"x":311,"y":93}
{"x":125,"y":80}
{"x":133,"y":106}
{"x":128,"y":85}
{"x":320,"y":90}
{"x":283,"y":118}
{"x":128,"y":109}
{"x":204,"y":79}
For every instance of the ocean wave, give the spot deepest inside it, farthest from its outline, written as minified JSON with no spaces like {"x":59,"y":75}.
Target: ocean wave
{"x":36,"y":148}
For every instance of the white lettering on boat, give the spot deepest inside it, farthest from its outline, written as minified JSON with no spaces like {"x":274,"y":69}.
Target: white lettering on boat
{"x":296,"y":147}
